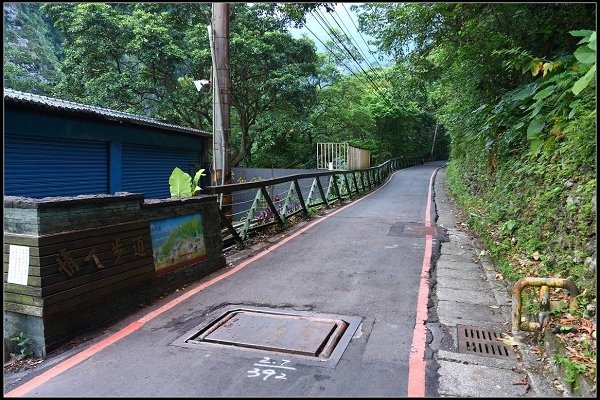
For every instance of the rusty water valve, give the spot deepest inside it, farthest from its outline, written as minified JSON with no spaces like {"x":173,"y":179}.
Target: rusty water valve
{"x":543,"y":283}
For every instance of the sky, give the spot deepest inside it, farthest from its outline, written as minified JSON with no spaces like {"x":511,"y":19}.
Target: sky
{"x":348,"y":21}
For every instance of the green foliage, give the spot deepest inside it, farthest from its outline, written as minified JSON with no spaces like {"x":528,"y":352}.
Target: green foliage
{"x":181,"y":183}
{"x":22,"y":344}
{"x":572,"y":369}
{"x":31,"y":53}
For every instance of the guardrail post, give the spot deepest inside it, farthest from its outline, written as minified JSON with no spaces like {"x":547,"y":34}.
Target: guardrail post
{"x":355,"y":183}
{"x":231,"y":229}
{"x":250,"y":214}
{"x":337,"y":188}
{"x":300,"y":198}
{"x":362,"y":180}
{"x":271,"y":205}
{"x":323,"y":196}
{"x":347,"y":184}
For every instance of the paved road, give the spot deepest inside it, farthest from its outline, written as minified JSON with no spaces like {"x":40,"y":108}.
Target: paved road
{"x":362,"y":264}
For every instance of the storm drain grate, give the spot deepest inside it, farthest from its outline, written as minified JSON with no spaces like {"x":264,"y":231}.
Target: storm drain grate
{"x":315,"y":336}
{"x":482,"y":342}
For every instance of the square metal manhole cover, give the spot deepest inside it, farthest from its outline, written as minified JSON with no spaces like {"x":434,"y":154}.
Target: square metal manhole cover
{"x":411,"y":229}
{"x":482,"y":342}
{"x":321,"y":337}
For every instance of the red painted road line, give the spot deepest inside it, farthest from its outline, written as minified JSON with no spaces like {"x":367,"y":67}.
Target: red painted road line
{"x":134,"y":326}
{"x":416,"y":364}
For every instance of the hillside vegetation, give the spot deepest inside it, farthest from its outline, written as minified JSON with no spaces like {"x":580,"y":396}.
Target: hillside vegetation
{"x":515,"y":87}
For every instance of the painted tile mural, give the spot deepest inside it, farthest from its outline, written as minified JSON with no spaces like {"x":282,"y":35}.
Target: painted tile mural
{"x":177,"y":242}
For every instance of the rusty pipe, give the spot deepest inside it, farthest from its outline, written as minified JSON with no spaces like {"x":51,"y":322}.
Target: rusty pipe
{"x":535,"y":281}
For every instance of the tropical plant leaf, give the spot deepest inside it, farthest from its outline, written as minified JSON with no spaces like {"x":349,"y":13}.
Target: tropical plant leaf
{"x":542,"y":94}
{"x":585,"y":55}
{"x":536,"y":126}
{"x":197,"y":176}
{"x":584,"y":81}
{"x":583,"y":33}
{"x":180,"y":183}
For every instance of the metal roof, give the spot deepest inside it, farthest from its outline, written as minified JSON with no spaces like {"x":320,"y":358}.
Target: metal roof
{"x":50,"y":103}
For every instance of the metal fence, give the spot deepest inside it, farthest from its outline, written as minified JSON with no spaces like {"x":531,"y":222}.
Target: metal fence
{"x":255,"y":205}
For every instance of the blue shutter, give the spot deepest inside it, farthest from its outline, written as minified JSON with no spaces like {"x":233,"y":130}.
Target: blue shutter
{"x":42,"y":167}
{"x":147,"y":169}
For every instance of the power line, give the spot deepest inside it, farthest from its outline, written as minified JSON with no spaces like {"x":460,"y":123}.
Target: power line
{"x":348,"y":35}
{"x":361,"y":35}
{"x":353,"y":42}
{"x":333,"y":53}
{"x":326,"y":26}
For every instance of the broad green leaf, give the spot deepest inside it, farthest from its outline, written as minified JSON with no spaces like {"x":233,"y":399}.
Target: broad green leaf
{"x":572,"y":113}
{"x":584,"y":81}
{"x":536,"y":126}
{"x":542,"y":94}
{"x":585,"y":55}
{"x":180,"y":183}
{"x":536,"y":107}
{"x":592,"y":43}
{"x":584,"y":33}
{"x":525,"y":92}
{"x":199,"y":174}
{"x":536,"y":146}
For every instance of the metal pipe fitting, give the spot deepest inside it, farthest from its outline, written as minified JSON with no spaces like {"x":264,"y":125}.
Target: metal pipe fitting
{"x":544,"y":283}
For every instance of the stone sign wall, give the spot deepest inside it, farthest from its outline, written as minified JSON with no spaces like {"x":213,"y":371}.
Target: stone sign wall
{"x":76,"y":263}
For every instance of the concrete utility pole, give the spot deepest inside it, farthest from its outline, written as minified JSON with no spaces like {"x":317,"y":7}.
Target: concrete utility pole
{"x":221,"y":94}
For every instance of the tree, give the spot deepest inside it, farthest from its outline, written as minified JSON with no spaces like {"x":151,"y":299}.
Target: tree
{"x":269,"y":70}
{"x":139,"y":58}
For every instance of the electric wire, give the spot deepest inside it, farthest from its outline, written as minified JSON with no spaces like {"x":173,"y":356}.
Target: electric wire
{"x":335,"y":55}
{"x":352,"y":40}
{"x":330,"y":31}
{"x":354,"y":43}
{"x":362,"y":37}
{"x":343,"y":46}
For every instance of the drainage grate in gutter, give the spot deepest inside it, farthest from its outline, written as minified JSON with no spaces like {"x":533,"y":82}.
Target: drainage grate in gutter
{"x":482,"y":342}
{"x":321,"y":337}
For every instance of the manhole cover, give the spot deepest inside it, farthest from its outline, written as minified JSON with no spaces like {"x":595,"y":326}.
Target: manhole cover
{"x":482,"y":342}
{"x":411,"y":229}
{"x":320,"y":337}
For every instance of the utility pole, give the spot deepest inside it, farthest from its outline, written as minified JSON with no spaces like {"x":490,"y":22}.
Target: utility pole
{"x":221,"y":96}
{"x":433,"y":143}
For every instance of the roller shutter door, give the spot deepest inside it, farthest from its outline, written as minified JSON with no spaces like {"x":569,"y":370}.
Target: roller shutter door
{"x":147,"y":169}
{"x":42,"y":167}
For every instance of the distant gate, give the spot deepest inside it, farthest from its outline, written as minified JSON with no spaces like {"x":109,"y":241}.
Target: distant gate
{"x":342,"y":156}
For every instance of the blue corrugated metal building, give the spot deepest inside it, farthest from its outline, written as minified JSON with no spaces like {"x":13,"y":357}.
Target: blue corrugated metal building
{"x":55,"y":147}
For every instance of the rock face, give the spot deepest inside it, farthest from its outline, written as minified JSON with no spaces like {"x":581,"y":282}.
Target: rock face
{"x":31,"y":49}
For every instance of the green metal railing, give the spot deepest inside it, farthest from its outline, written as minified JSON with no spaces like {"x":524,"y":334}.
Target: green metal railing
{"x":268,"y":209}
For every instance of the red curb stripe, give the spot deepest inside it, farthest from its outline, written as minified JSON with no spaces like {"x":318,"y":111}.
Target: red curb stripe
{"x":134,"y":326}
{"x":417,"y":364}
